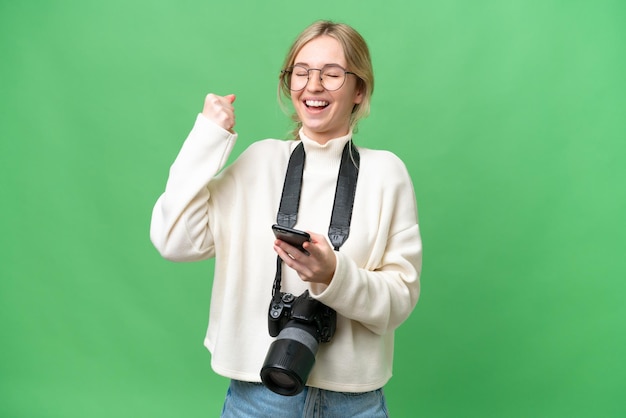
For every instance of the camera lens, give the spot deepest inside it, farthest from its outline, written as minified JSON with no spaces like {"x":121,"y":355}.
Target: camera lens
{"x":280,"y":379}
{"x":290,"y":359}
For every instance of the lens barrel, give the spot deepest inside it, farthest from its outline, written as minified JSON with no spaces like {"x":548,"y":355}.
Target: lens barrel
{"x":290,"y":359}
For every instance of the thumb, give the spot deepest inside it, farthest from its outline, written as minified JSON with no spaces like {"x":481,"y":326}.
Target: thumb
{"x":231,"y":98}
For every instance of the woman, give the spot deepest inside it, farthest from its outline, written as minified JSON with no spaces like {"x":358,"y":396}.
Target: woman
{"x":371,"y":281}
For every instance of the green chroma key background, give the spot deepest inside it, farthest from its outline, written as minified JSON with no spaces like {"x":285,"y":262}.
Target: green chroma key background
{"x":510,"y":116}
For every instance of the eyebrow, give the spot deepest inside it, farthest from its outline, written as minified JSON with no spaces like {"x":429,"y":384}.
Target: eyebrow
{"x":332,"y":64}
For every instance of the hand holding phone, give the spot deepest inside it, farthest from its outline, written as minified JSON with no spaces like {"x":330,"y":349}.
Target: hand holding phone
{"x":291,"y":236}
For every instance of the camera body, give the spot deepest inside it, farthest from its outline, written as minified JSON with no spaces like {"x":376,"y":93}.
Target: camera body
{"x":303,"y":309}
{"x":299,"y":325}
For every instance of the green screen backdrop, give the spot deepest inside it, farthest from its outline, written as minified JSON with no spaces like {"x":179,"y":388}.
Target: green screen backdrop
{"x":510,"y":116}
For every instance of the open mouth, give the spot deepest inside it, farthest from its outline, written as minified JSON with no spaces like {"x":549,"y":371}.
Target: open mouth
{"x":316,"y":104}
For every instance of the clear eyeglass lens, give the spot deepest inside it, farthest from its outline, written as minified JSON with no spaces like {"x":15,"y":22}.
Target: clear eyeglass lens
{"x":332,"y":77}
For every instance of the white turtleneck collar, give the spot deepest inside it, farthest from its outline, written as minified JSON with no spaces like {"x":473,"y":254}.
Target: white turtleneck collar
{"x":327,"y":156}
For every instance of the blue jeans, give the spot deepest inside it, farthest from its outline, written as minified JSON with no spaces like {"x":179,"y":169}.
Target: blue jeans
{"x":254,"y":400}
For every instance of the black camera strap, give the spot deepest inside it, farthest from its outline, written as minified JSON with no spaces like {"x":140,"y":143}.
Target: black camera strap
{"x":339,"y":228}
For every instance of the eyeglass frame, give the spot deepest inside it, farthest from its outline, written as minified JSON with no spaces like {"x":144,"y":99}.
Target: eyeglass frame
{"x":289,"y":70}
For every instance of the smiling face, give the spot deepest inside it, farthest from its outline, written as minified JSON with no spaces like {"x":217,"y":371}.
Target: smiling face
{"x":324,"y":114}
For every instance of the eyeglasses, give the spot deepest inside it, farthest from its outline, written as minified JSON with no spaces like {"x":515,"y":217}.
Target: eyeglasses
{"x":332,"y":77}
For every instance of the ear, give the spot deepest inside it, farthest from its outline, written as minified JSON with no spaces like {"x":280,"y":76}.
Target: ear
{"x":358,"y":95}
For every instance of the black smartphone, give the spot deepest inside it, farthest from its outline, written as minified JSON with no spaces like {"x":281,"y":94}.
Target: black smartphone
{"x":291,"y":236}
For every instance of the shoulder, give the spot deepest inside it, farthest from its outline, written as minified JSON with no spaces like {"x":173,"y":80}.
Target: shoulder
{"x":383,"y":164}
{"x":387,"y":185}
{"x":265,"y":153}
{"x":266,"y":147}
{"x":382,"y":156}
{"x":269,"y":146}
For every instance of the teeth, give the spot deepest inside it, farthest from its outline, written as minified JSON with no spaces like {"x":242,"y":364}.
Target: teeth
{"x":316,"y":103}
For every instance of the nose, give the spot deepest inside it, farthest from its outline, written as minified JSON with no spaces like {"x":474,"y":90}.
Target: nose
{"x":315,"y":80}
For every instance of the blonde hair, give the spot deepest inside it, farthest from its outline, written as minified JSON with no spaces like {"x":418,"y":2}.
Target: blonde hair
{"x":357,"y":57}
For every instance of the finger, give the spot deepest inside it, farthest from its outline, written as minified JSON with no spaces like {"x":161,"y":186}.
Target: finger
{"x":294,"y":252}
{"x":220,"y":110}
{"x":230,"y":123}
{"x":289,"y":258}
{"x":316,"y":245}
{"x":310,"y":247}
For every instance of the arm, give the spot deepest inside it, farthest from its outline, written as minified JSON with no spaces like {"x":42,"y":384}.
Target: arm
{"x":382,"y":299}
{"x":179,"y":227}
{"x":383,"y":295}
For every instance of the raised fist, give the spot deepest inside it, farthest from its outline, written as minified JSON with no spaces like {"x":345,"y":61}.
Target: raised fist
{"x":220,"y":110}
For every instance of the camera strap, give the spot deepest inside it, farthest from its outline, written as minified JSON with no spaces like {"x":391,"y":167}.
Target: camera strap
{"x":339,"y":228}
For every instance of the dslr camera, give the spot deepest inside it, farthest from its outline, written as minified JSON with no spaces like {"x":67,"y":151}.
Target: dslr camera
{"x":300,"y":324}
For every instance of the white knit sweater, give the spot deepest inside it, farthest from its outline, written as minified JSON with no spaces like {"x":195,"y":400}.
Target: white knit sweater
{"x":211,"y":211}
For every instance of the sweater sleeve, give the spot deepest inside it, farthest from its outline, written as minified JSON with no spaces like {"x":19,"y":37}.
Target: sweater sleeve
{"x":179,"y":228}
{"x":383,"y":297}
